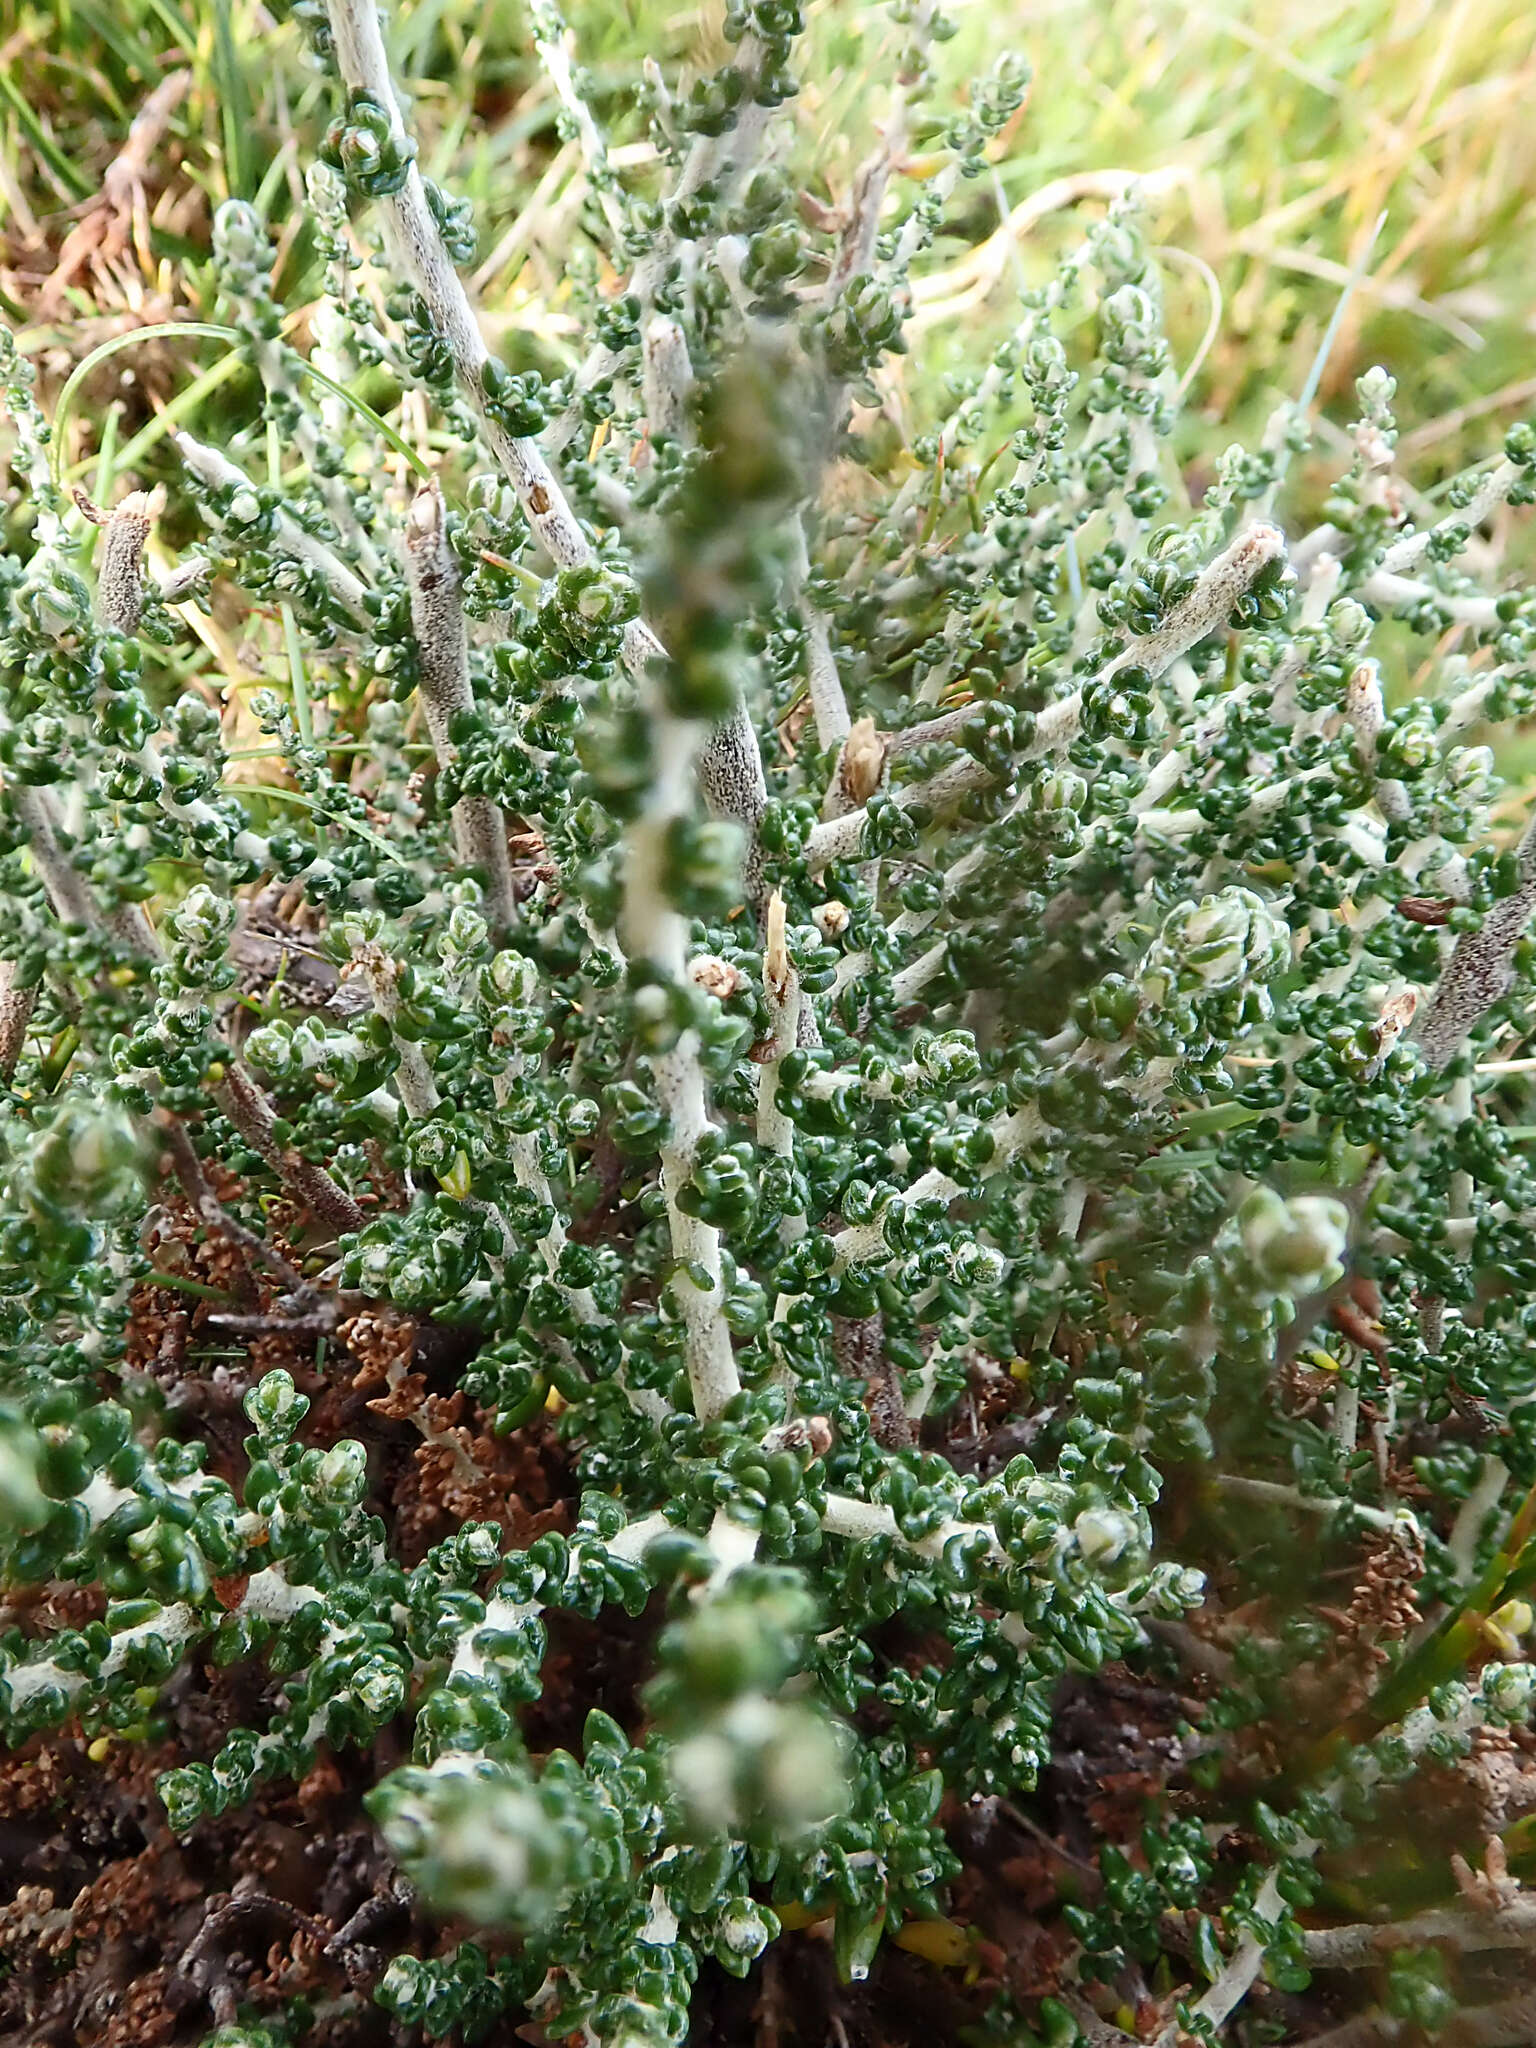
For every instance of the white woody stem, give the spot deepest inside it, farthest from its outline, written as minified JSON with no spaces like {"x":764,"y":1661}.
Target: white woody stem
{"x":709,"y":161}
{"x":120,"y":604}
{"x":413,"y":1075}
{"x":655,"y":933}
{"x":553,"y":41}
{"x":828,"y":703}
{"x":1466,"y":1927}
{"x":697,"y":1283}
{"x":213,"y":468}
{"x":781,"y":991}
{"x":1492,"y":491}
{"x":729,"y":768}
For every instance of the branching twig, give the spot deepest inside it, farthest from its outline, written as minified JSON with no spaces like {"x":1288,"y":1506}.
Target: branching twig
{"x":656,"y":934}
{"x":417,"y":248}
{"x":1220,"y":585}
{"x":210,"y":1211}
{"x":213,"y":468}
{"x":1463,"y":1927}
{"x":255,"y":1119}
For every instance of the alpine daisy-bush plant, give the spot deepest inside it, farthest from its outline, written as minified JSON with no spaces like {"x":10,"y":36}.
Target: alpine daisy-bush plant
{"x":805,"y":1252}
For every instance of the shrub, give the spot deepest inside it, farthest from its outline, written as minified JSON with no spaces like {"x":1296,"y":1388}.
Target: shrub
{"x":842,"y":1070}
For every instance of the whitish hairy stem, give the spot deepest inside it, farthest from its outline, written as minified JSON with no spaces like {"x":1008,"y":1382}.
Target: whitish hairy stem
{"x":855,"y":256}
{"x":1414,"y":1734}
{"x":860,"y":1242}
{"x":862,"y":1521}
{"x":829,"y":707}
{"x":275,"y":366}
{"x":1492,"y":491}
{"x":730,"y":767}
{"x":910,"y":924}
{"x":776,"y":1131}
{"x":1472,"y":1516}
{"x":729,"y":764}
{"x":1510,"y":2024}
{"x":1010,"y":1133}
{"x":554,"y":43}
{"x":943,"y":731}
{"x":502,"y":1614}
{"x":416,"y":247}
{"x":528,"y":1170}
{"x":1395,"y":593}
{"x":666,"y":379}
{"x":842,"y":837}
{"x":729,"y":770}
{"x":1241,"y":1973}
{"x":856,"y":252}
{"x":1465,"y":1927}
{"x":268,"y":1595}
{"x":992,"y":383}
{"x":1466,"y":707}
{"x":1346,"y":1413}
{"x":696,"y":1284}
{"x":781,"y":992}
{"x":709,"y":161}
{"x":175,"y":1626}
{"x":632,"y":1543}
{"x":1366,"y":712}
{"x":650,"y":928}
{"x":734,"y":1547}
{"x":442,"y":646}
{"x":1273,"y":1494}
{"x":120,"y":604}
{"x":655,"y":933}
{"x":214,"y":469}
{"x":1481,"y":968}
{"x":16,"y":1005}
{"x":1234,"y":572}
{"x":413,"y":1076}
{"x":63,"y":884}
